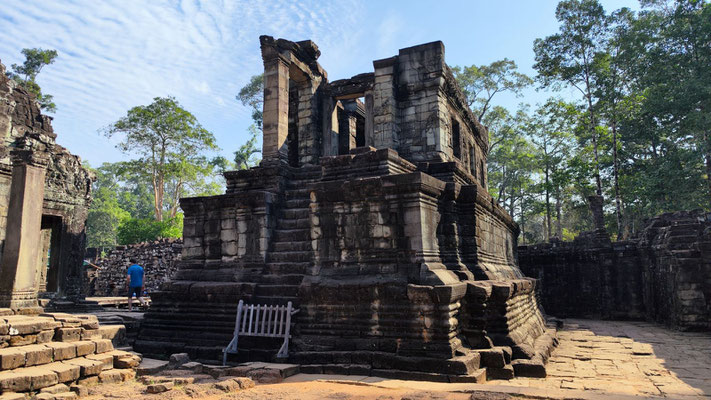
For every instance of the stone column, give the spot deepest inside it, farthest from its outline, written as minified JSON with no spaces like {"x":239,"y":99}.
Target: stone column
{"x":369,"y":118}
{"x":276,"y":109}
{"x":18,"y":270}
{"x":595,"y":202}
{"x":385,"y":116}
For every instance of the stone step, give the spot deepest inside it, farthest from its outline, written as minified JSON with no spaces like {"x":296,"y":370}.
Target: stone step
{"x":298,"y":203}
{"x":283,"y":279}
{"x":291,"y":256}
{"x":277,"y":290}
{"x":276,"y":300}
{"x":291,"y":224}
{"x":295,"y":213}
{"x":289,"y":235}
{"x":12,"y":358}
{"x":39,"y":377}
{"x":298,"y":192}
{"x":278,"y":268}
{"x":292,"y":246}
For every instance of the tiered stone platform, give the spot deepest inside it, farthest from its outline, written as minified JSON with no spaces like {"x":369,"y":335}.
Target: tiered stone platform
{"x":54,"y":355}
{"x":373,"y":218}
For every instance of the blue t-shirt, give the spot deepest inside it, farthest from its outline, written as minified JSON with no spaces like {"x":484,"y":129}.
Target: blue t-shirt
{"x":135,"y":271}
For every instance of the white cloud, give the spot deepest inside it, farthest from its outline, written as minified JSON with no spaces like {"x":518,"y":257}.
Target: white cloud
{"x":116,"y":54}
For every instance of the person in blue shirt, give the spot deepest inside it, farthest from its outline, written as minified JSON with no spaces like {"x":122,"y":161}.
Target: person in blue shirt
{"x":134,"y":283}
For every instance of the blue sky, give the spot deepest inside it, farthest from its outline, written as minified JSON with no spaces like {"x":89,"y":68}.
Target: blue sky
{"x":116,"y":54}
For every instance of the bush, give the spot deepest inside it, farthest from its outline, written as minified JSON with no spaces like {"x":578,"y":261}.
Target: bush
{"x":134,"y":230}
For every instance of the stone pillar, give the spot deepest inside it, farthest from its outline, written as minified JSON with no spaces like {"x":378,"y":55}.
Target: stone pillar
{"x":18,"y":270}
{"x":276,"y":108}
{"x":307,"y":122}
{"x":369,"y":118}
{"x":385,"y":116}
{"x":595,"y":202}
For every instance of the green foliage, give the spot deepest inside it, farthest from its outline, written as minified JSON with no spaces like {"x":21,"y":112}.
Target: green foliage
{"x":244,"y":156}
{"x":135,"y":230}
{"x":639,"y":133}
{"x":481,"y":83}
{"x":26,"y":74}
{"x":252,"y":95}
{"x":170,"y":142}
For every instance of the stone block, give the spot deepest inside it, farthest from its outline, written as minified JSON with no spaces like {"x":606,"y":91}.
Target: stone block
{"x":265,"y":375}
{"x":11,"y":358}
{"x":88,"y":381}
{"x":103,"y":345}
{"x":13,"y":381}
{"x":90,"y":334}
{"x":159,"y":387}
{"x":22,"y":340}
{"x":13,"y":396}
{"x":58,"y":388}
{"x":67,"y":334}
{"x":37,"y":354}
{"x":40,"y":377}
{"x":106,"y":359}
{"x":65,"y":372}
{"x":45,"y":336}
{"x":62,"y":351}
{"x":127,"y":374}
{"x":85,"y":347}
{"x":79,"y":390}
{"x":111,"y":376}
{"x":88,"y":367}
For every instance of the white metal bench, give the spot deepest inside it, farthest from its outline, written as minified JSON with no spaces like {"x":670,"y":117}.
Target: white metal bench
{"x":261,"y":321}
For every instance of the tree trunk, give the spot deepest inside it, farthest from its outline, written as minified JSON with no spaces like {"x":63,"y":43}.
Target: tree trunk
{"x":707,"y":156}
{"x":548,"y":206}
{"x":558,"y":213}
{"x":618,"y":196}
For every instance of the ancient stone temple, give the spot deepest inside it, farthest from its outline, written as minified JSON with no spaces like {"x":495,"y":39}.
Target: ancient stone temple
{"x":44,"y":198}
{"x":369,"y":211}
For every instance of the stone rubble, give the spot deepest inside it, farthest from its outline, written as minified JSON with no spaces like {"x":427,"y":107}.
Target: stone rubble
{"x":52,"y":355}
{"x":158,"y":259}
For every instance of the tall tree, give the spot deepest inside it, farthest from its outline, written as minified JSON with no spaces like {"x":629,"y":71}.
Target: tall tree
{"x":169,"y":141}
{"x":482,"y":83}
{"x":551,"y":131}
{"x":252,"y":95}
{"x":567,"y":57}
{"x":26,"y":74}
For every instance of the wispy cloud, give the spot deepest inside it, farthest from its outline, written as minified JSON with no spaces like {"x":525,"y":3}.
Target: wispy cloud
{"x":116,"y":54}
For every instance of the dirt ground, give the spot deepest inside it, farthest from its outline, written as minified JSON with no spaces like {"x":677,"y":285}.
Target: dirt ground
{"x":595,"y":360}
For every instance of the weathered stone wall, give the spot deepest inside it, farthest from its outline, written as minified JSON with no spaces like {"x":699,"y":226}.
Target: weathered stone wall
{"x":27,"y":138}
{"x":664,"y":274}
{"x":158,"y":259}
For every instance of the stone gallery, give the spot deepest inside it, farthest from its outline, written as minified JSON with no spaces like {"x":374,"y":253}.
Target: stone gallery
{"x":370,"y":213}
{"x":44,"y":198}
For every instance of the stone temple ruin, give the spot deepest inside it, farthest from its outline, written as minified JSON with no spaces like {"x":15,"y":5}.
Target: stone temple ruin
{"x":369,"y":211}
{"x":44,"y":199}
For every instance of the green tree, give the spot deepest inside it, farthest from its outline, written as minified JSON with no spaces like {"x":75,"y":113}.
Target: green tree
{"x":136,"y":230}
{"x":252,"y":95}
{"x":482,"y":83}
{"x":551,"y":132}
{"x":170,"y":143}
{"x":26,"y":74}
{"x":567,"y":57}
{"x":244,"y":156}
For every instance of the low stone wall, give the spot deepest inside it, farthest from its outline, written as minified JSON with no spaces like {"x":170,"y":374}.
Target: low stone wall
{"x":663,"y":274}
{"x":157,"y":259}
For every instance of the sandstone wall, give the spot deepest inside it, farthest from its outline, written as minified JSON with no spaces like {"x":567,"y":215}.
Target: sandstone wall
{"x":66,"y":193}
{"x":664,"y":274}
{"x":157,"y":258}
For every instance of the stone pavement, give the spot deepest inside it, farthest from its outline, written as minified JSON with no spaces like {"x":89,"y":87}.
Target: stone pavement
{"x":632,"y":358}
{"x":594,"y":360}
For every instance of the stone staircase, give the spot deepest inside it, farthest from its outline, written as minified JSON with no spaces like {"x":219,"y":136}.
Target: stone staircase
{"x":56,"y":355}
{"x":290,"y":258}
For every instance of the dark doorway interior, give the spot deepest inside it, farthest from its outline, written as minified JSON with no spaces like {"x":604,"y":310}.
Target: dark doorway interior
{"x":49,"y":261}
